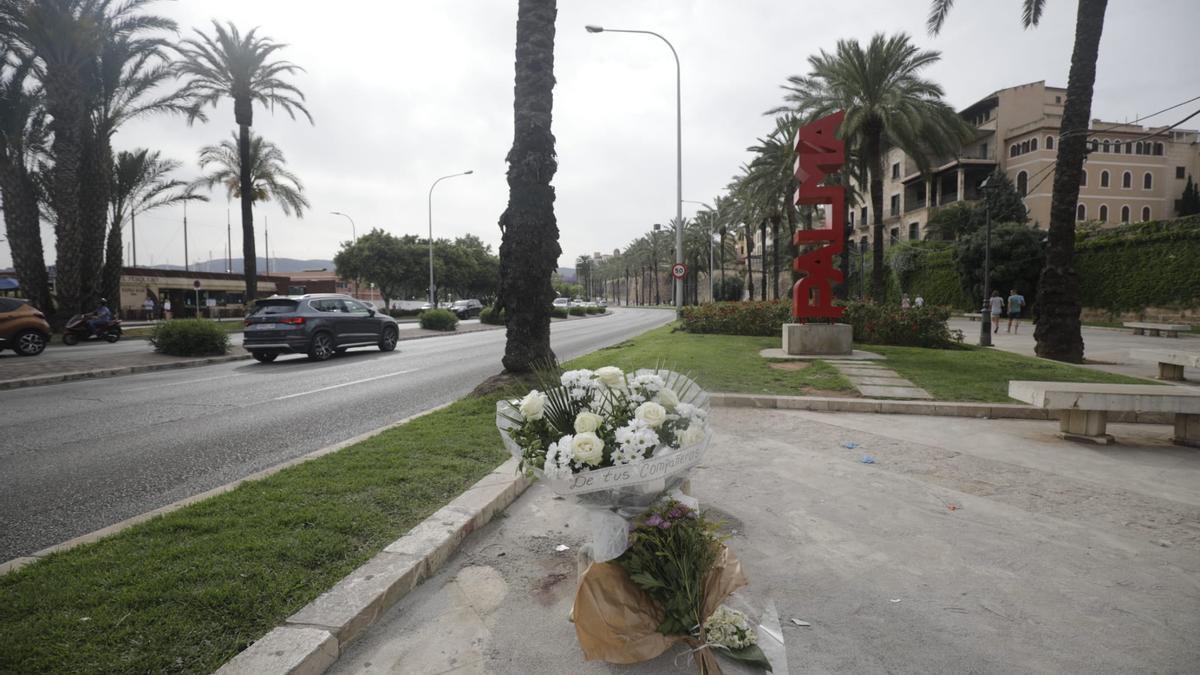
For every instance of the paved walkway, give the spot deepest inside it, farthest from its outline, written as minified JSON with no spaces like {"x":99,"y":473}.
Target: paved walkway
{"x":1104,"y":349}
{"x":873,"y":380}
{"x":983,"y":546}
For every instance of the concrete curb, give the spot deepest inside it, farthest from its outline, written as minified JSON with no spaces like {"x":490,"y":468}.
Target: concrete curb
{"x":39,"y":380}
{"x":17,"y":563}
{"x":935,"y":408}
{"x":311,"y":640}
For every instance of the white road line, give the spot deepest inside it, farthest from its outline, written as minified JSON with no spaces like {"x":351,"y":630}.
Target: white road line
{"x":172,"y":384}
{"x":344,"y":384}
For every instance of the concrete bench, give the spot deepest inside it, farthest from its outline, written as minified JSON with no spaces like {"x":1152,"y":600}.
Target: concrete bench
{"x":973,"y":316}
{"x":1157,"y":329}
{"x":1171,"y":362}
{"x":1083,"y":408}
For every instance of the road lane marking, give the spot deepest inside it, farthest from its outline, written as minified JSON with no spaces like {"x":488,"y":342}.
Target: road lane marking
{"x":344,"y":384}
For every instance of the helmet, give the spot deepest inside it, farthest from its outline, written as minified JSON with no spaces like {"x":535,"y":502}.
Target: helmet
{"x":104,"y":301}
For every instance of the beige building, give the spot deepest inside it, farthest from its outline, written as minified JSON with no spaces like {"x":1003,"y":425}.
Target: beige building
{"x":1132,"y":173}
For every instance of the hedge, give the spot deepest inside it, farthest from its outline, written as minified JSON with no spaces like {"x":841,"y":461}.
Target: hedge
{"x":438,"y":319}
{"x":558,"y":313}
{"x":737,"y":318}
{"x":189,"y":337}
{"x":578,"y":310}
{"x":489,"y":315}
{"x":1152,"y":264}
{"x":885,"y":324}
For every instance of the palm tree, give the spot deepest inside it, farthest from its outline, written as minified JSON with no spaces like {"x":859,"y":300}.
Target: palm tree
{"x":529,"y":247}
{"x":269,"y":180}
{"x":1057,"y":331}
{"x":22,"y":139}
{"x":239,"y":67}
{"x":887,"y":103}
{"x":140,"y":184}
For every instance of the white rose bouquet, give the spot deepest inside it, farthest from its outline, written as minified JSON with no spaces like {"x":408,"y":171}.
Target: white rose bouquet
{"x":614,"y":441}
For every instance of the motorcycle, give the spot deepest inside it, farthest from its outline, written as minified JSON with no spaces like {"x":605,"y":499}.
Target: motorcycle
{"x":77,"y":330}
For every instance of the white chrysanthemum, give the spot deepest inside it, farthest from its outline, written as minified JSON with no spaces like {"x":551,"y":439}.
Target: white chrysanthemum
{"x":648,"y":381}
{"x":689,"y":411}
{"x":558,"y":459}
{"x":634,"y":440}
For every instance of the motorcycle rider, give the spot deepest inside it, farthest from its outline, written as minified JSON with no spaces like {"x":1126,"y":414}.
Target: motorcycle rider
{"x":100,"y":318}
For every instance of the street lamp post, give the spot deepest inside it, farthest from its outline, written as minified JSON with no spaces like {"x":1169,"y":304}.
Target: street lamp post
{"x":353,"y":231}
{"x":678,"y":152}
{"x":432,"y":290}
{"x":985,"y":321}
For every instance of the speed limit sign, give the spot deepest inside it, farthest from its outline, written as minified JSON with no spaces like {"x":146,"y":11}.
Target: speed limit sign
{"x":678,"y":270}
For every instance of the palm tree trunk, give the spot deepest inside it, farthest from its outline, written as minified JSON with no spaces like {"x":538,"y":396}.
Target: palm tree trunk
{"x":1057,"y":309}
{"x":18,"y":197}
{"x":872,"y":152}
{"x":749,"y":261}
{"x":113,"y":262}
{"x":249,"y":257}
{"x":722,"y":285}
{"x":529,"y":246}
{"x":762,"y":228}
{"x":65,"y":105}
{"x":775,"y":257}
{"x":95,"y":183}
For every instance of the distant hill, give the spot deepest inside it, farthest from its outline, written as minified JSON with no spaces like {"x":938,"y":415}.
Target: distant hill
{"x":278,"y":265}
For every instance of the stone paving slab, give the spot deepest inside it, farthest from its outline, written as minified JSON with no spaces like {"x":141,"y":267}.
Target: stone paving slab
{"x":894,"y":392}
{"x":883,"y":381}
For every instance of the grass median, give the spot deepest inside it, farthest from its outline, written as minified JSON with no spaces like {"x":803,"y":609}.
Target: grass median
{"x":229,"y":325}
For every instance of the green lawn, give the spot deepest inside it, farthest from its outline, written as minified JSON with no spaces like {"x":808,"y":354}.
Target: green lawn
{"x":187,"y":591}
{"x":979,"y":374}
{"x":727,"y":363}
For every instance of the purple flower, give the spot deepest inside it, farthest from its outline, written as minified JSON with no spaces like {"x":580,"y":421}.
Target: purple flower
{"x":675,"y":513}
{"x":665,"y":525}
{"x":693,"y":515}
{"x":654,"y":520}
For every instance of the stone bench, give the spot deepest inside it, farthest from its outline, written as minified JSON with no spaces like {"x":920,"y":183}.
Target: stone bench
{"x":1157,"y":329}
{"x":1171,"y":362}
{"x":973,"y":316}
{"x":1083,"y":408}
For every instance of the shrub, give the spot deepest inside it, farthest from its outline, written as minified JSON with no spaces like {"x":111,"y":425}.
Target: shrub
{"x":438,"y":319}
{"x":738,"y":318}
{"x":403,"y":313}
{"x":578,"y":311}
{"x":489,"y":315}
{"x":189,"y":337}
{"x":890,"y":325}
{"x":558,"y":312}
{"x":1141,"y":265}
{"x":1018,"y":255}
{"x":595,"y":310}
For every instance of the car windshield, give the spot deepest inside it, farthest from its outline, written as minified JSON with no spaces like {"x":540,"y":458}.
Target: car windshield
{"x":461,"y":303}
{"x":270,"y":307}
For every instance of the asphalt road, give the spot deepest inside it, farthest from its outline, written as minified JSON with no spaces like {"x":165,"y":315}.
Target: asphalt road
{"x":78,"y":456}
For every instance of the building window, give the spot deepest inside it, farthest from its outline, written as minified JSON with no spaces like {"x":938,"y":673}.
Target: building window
{"x":983,"y":151}
{"x":863,"y":220}
{"x":1125,"y":214}
{"x":1145,"y":213}
{"x":1129,"y":148}
{"x":1095,"y":145}
{"x":895,"y":235}
{"x":1013,"y":150}
{"x":1083,"y":177}
{"x":1022,"y":183}
{"x":1117,"y":147}
{"x":1158,"y":148}
{"x":1179,"y":171}
{"x":1103,"y":179}
{"x":1081,"y":212}
{"x":1148,"y":181}
{"x":896,"y":171}
{"x":1104,"y":213}
{"x":895,"y":203}
{"x":1033,"y":144}
{"x":1139,"y":148}
{"x":914,"y":232}
{"x":1024,"y":147}
{"x":1049,"y":142}
{"x":1126,"y":180}
{"x":1058,"y":99}
{"x":851,"y":218}
{"x":1106,"y":146}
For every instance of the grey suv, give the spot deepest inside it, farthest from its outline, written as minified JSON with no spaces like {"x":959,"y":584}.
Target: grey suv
{"x":466,"y":309}
{"x":319,"y":325}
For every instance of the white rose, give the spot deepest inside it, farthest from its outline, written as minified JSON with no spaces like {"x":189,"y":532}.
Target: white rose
{"x":651,"y":413}
{"x":587,"y":448}
{"x":691,"y":435}
{"x":668,"y":398}
{"x":533,"y":405}
{"x":586,"y":422}
{"x":611,"y":376}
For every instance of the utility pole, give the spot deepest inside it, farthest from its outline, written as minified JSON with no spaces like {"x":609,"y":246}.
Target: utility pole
{"x":185,"y":238}
{"x":228,"y":243}
{"x":133,"y":234}
{"x":266,"y":247}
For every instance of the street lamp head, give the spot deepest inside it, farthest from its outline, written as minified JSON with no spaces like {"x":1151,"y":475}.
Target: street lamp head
{"x":468,"y":172}
{"x":336,"y":213}
{"x":594,"y":29}
{"x":657,"y":227}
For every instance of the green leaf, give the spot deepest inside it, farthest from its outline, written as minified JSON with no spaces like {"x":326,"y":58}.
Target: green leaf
{"x":752,"y":655}
{"x":645,"y":581}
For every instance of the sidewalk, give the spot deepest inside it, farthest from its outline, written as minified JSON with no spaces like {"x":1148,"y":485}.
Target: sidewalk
{"x":1104,"y":348}
{"x":968,"y":546}
{"x":36,"y":370}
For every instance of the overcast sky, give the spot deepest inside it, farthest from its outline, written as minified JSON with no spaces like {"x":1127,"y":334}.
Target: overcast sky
{"x":405,"y":92}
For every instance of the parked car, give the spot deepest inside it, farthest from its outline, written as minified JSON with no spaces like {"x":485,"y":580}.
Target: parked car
{"x":318,"y":324}
{"x":466,"y":309}
{"x":23,"y":328}
{"x":565,"y":303}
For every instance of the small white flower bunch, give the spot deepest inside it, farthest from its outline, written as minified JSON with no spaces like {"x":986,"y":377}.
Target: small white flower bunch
{"x":634,"y":440}
{"x":580,"y":384}
{"x":729,"y":628}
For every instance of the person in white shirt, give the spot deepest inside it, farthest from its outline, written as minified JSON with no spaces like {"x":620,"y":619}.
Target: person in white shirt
{"x":919,"y":301}
{"x":997,"y":308}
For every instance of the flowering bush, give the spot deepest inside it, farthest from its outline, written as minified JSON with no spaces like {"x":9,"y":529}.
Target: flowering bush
{"x":890,"y":325}
{"x":737,"y":318}
{"x":602,"y":418}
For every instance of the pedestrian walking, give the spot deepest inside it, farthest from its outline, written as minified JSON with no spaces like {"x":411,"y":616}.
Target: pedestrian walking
{"x":167,"y":309}
{"x":919,"y":301}
{"x":148,"y":308}
{"x":904,"y":302}
{"x":1016,"y":304}
{"x":996,"y":304}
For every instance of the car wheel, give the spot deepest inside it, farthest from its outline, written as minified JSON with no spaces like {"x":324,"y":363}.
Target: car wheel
{"x":388,"y":342}
{"x":29,"y":343}
{"x":70,"y":339}
{"x":264,"y":357}
{"x":321,"y":348}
